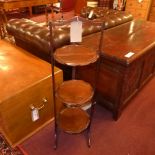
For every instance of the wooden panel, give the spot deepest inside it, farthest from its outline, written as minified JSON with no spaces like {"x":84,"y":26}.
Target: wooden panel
{"x":149,"y":65}
{"x":16,"y":112}
{"x":131,"y":80}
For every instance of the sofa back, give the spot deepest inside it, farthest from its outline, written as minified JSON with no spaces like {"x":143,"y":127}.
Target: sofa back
{"x":34,"y":37}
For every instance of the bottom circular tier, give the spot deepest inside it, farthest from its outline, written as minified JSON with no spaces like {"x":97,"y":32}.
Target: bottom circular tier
{"x":73,"y":120}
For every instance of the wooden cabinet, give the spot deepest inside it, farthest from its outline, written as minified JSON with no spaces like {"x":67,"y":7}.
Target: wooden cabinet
{"x":152,"y":12}
{"x":138,"y":10}
{"x":121,"y":74}
{"x":25,"y":83}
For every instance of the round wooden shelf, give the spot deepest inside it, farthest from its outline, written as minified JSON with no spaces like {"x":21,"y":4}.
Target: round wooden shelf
{"x":75,"y":55}
{"x":73,"y":120}
{"x":75,"y":92}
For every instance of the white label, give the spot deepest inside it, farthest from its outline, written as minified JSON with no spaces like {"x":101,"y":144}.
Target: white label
{"x":90,"y":14}
{"x":76,"y":31}
{"x":86,"y":107}
{"x":35,"y":114}
{"x":128,"y":55}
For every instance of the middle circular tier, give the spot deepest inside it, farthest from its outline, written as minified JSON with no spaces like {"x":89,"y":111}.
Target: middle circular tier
{"x":75,"y":92}
{"x":75,"y":55}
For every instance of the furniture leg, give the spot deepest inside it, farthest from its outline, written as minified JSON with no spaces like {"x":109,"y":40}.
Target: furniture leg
{"x":55,"y":137}
{"x":30,"y":10}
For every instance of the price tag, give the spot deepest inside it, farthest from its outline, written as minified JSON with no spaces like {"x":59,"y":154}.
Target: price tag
{"x":90,"y":14}
{"x":35,"y":114}
{"x":76,"y":31}
{"x":128,"y":55}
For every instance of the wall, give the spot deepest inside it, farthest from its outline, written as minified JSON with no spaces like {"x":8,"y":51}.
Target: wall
{"x":78,"y":5}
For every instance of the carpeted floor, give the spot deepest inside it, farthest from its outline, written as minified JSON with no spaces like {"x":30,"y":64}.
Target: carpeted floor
{"x":132,"y":134}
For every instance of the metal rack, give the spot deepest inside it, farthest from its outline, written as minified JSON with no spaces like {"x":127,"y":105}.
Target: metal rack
{"x":76,"y":95}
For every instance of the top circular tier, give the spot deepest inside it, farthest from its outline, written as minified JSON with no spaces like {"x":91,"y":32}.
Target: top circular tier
{"x":75,"y":55}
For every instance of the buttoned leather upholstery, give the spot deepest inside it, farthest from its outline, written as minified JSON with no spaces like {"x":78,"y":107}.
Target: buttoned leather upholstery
{"x":111,"y":17}
{"x":34,"y":37}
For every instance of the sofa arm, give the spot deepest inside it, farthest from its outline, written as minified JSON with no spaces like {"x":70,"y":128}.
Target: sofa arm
{"x":111,"y":17}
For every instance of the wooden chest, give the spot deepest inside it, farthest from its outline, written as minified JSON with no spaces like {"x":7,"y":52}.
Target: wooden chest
{"x":127,"y":62}
{"x":25,"y":83}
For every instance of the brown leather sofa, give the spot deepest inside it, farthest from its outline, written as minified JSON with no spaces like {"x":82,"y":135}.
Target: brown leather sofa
{"x":34,"y":37}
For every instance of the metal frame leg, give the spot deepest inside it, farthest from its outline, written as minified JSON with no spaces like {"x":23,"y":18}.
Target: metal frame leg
{"x":88,"y":129}
{"x":55,"y":136}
